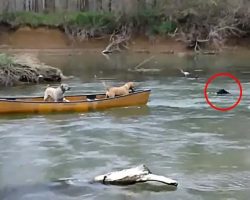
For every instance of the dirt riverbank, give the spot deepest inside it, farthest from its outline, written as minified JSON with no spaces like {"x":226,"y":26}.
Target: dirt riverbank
{"x":48,"y":39}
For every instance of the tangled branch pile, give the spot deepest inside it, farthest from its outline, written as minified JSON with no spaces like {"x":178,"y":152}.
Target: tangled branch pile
{"x":201,"y":25}
{"x":209,"y":24}
{"x":118,"y":40}
{"x":25,"y":68}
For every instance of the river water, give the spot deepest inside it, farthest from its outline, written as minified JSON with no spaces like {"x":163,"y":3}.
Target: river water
{"x":177,"y":134}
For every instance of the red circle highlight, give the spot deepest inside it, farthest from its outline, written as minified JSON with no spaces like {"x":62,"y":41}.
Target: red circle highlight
{"x":225,"y":74}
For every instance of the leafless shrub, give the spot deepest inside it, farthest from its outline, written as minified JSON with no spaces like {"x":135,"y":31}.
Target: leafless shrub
{"x":209,"y":24}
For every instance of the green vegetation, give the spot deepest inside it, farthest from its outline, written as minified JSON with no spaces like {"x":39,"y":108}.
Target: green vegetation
{"x":5,"y":60}
{"x":50,"y":19}
{"x":152,"y":20}
{"x":81,"y":19}
{"x":91,"y":19}
{"x":31,"y":19}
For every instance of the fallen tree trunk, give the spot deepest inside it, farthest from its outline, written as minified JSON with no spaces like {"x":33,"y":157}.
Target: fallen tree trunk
{"x":26,"y":69}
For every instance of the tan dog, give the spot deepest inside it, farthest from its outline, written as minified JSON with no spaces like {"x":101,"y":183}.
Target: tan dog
{"x":118,"y":91}
{"x":56,"y":94}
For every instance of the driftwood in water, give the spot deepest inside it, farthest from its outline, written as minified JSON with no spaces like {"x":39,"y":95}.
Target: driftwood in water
{"x":133,"y":175}
{"x":77,"y":187}
{"x":26,"y":69}
{"x":125,"y":177}
{"x":138,"y":68}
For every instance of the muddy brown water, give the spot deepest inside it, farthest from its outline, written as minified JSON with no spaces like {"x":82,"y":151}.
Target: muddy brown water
{"x":177,"y":134}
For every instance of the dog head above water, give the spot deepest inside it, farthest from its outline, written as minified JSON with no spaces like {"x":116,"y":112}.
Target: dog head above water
{"x":222,"y":92}
{"x":64,"y":87}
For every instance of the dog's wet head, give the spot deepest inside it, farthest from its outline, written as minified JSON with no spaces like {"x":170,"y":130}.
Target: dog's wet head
{"x":64,"y":87}
{"x":222,"y":92}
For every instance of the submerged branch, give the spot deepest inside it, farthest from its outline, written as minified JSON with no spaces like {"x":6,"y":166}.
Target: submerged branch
{"x":143,"y":62}
{"x":138,"y":68}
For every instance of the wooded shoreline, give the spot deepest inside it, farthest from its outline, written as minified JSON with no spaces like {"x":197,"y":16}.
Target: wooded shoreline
{"x":199,"y":25}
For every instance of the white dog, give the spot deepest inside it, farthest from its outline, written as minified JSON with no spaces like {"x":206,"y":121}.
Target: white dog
{"x":57,"y":94}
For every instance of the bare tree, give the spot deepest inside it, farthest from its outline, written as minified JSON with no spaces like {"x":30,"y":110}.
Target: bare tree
{"x":208,"y":23}
{"x":26,"y":5}
{"x":36,"y":6}
{"x":141,"y":4}
{"x":66,"y":5}
{"x":83,"y":5}
{"x":50,"y":5}
{"x":99,"y":5}
{"x":154,"y":3}
{"x":110,"y":5}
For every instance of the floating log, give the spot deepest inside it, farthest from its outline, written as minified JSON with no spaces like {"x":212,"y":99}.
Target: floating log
{"x":134,"y":175}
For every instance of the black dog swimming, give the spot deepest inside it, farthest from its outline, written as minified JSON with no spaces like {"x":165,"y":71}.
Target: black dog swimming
{"x":222,"y":92}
